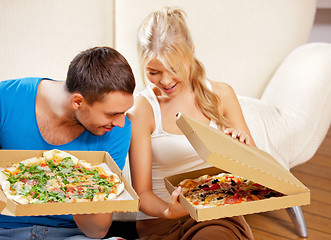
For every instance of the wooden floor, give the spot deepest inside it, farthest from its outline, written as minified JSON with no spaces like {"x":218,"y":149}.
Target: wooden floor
{"x":316,"y":175}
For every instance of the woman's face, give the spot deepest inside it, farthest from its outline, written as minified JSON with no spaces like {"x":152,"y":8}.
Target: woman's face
{"x":169,"y":83}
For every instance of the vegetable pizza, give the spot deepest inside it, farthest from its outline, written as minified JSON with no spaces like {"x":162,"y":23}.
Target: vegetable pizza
{"x":58,"y":176}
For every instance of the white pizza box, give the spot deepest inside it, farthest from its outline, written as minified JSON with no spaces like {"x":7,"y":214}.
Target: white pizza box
{"x":128,"y":201}
{"x":229,"y":155}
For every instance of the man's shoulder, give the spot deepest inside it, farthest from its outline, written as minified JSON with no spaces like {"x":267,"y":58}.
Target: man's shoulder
{"x":23,"y":80}
{"x":18,"y":89}
{"x":20,"y":83}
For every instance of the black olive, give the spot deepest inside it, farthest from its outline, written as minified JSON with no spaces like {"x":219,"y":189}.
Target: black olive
{"x":233,"y":183}
{"x":219,"y":198}
{"x":267,"y":196}
{"x":255,"y":192}
{"x":272,"y":194}
{"x":215,"y":181}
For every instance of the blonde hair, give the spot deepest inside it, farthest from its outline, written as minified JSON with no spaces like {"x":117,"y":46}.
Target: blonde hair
{"x":164,"y":35}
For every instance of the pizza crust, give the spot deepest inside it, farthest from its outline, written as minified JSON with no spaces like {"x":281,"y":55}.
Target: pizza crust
{"x":58,"y":155}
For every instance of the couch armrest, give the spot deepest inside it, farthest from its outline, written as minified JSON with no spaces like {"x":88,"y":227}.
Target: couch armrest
{"x":294,"y":113}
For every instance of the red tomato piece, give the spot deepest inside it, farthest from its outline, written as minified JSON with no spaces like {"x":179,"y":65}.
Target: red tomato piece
{"x":70,"y":189}
{"x":233,"y":200}
{"x":214,"y":186}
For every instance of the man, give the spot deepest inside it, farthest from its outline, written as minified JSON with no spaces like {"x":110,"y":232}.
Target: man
{"x":86,"y":112}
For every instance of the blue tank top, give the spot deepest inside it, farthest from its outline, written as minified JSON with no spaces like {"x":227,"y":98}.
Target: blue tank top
{"x":19,"y":131}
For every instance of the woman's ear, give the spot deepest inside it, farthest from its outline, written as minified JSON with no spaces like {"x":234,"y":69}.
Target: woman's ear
{"x":76,"y":100}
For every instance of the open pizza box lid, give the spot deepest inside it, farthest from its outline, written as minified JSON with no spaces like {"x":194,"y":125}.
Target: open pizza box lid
{"x":128,"y":201}
{"x":226,"y":153}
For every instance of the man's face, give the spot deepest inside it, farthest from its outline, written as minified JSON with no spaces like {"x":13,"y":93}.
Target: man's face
{"x":100,"y":117}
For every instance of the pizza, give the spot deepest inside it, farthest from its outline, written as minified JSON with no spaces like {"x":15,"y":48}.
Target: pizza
{"x":224,"y":188}
{"x":58,"y":176}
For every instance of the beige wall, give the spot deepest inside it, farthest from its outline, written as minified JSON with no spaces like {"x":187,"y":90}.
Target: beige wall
{"x":40,"y":37}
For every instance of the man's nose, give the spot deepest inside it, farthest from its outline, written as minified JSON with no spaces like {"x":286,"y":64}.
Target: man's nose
{"x":119,"y":120}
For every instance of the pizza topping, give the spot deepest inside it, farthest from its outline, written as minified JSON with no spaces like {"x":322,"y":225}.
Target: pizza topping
{"x":223,"y":189}
{"x":233,"y":183}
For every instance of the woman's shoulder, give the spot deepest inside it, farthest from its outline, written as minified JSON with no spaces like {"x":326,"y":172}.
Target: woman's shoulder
{"x":141,"y":106}
{"x":141,"y":113}
{"x":222,"y":89}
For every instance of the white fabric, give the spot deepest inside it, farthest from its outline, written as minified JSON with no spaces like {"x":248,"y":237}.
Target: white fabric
{"x":294,"y":113}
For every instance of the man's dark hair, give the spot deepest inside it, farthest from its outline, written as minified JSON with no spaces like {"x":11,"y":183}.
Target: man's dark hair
{"x":97,"y":71}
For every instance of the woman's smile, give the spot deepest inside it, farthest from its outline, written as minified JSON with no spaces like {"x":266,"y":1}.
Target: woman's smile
{"x":169,"y":89}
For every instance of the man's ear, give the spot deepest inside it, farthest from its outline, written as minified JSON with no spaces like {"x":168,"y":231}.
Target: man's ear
{"x":76,"y":100}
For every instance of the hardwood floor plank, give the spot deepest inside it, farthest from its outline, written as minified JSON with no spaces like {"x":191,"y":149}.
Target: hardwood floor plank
{"x":316,"y":235}
{"x":314,"y":169}
{"x":324,"y":149}
{"x":319,"y":160}
{"x":317,"y":223}
{"x":314,"y":221}
{"x":320,"y":195}
{"x":262,"y":235}
{"x":313,"y":181}
{"x":263,"y":227}
{"x":280,"y":215}
{"x":271,"y":225}
{"x":318,"y":208}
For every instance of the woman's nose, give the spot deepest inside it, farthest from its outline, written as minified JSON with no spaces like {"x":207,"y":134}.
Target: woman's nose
{"x":166,"y":79}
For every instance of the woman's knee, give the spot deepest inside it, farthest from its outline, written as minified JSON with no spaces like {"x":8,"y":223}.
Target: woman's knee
{"x":215,"y":232}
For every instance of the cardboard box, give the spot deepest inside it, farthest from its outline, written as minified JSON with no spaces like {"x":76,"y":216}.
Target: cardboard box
{"x":127,"y":202}
{"x":229,"y":155}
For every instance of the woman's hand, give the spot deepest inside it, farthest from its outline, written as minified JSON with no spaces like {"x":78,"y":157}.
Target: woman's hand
{"x":175,"y":209}
{"x":238,"y":134}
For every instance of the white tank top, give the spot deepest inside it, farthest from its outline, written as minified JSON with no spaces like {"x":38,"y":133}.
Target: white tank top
{"x":172,"y":154}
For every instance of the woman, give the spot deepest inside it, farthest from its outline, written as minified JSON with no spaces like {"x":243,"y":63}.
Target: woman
{"x":158,"y":147}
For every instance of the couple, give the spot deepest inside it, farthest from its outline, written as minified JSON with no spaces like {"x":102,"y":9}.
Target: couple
{"x":94,"y":110}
